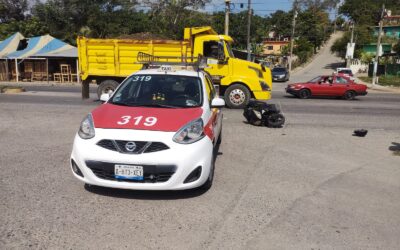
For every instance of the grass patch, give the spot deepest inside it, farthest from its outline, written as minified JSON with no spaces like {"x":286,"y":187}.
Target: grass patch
{"x":383,"y":80}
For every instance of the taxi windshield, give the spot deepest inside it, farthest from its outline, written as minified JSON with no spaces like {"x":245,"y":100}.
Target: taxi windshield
{"x":164,"y":91}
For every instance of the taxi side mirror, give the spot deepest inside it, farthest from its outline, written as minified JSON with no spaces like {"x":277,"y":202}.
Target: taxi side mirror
{"x":217,"y":102}
{"x":104,"y":97}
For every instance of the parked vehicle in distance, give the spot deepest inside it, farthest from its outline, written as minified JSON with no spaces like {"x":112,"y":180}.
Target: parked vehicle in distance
{"x":157,"y":131}
{"x":345,"y":72}
{"x":333,"y":85}
{"x":280,"y":74}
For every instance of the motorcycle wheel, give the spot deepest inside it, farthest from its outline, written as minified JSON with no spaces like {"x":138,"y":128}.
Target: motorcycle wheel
{"x":275,"y":120}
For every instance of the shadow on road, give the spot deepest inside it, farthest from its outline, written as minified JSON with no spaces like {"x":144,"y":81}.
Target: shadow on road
{"x":145,"y":195}
{"x":339,"y":98}
{"x":395,"y":148}
{"x":150,"y":195}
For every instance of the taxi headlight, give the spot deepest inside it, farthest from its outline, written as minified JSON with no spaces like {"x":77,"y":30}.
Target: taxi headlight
{"x":86,"y":130}
{"x":191,"y":132}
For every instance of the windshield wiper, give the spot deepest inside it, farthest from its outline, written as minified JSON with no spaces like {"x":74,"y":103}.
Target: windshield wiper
{"x":157,"y":105}
{"x":120,"y":103}
{"x":134,"y":104}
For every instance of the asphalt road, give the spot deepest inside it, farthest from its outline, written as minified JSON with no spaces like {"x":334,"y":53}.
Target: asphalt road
{"x":308,"y":185}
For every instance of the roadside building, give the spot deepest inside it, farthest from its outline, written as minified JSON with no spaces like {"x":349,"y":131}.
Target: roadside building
{"x":41,"y":58}
{"x":273,"y":50}
{"x":371,"y":48}
{"x":274,"y":47}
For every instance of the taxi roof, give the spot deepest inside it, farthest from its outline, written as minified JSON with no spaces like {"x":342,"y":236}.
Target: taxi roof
{"x":182,"y":71}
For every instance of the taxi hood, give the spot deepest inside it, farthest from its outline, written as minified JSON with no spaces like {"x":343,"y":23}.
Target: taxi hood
{"x":110,"y":116}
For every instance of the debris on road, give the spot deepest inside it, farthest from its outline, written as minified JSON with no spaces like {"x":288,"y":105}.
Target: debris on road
{"x":360,"y":132}
{"x":260,"y":113}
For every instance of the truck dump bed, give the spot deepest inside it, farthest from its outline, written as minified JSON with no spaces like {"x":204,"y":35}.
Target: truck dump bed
{"x":118,"y":57}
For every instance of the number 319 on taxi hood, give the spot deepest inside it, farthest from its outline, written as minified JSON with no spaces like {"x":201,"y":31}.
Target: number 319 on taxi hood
{"x":158,"y":131}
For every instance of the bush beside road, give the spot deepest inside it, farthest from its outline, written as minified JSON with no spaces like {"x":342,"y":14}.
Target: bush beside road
{"x":390,"y":81}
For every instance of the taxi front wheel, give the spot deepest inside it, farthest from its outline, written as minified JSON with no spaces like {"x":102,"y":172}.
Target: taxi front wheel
{"x":237,"y":96}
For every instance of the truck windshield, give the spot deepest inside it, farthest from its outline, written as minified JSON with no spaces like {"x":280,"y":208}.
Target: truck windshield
{"x":229,"y":48}
{"x":164,"y":91}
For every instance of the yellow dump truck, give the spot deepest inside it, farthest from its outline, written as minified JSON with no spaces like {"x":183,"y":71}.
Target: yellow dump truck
{"x":110,"y":61}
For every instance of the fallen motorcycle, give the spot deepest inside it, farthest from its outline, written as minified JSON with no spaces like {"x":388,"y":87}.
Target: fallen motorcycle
{"x":260,"y":113}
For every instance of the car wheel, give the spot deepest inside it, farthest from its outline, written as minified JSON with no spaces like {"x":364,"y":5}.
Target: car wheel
{"x":349,"y":95}
{"x":275,"y":120}
{"x":237,"y":96}
{"x":106,"y":86}
{"x":304,"y":94}
{"x":207,"y":185}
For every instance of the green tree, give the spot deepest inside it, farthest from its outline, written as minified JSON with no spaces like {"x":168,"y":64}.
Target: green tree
{"x":66,"y":19}
{"x":238,"y":27}
{"x":169,"y":17}
{"x":396,"y":47}
{"x":12,"y":10}
{"x":362,"y":35}
{"x":280,"y":22}
{"x":303,"y":49}
{"x":315,"y":26}
{"x":367,"y":12}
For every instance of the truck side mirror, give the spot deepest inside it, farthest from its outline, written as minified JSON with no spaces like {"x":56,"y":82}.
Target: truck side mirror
{"x":221,"y":53}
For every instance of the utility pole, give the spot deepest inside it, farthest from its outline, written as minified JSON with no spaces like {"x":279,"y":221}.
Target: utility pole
{"x":227,"y":10}
{"x":336,"y":11}
{"x":378,"y":46}
{"x":351,"y":43}
{"x":292,"y":36}
{"x":248,"y":30}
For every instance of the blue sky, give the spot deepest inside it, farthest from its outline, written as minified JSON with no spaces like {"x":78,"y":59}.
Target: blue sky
{"x":261,"y":7}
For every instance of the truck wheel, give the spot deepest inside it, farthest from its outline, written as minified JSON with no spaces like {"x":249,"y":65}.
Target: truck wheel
{"x":106,"y":86}
{"x":237,"y":96}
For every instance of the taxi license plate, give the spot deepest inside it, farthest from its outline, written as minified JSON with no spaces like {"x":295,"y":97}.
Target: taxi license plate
{"x":130,"y":172}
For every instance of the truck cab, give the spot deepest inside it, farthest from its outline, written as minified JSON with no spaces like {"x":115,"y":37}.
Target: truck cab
{"x":238,"y":80}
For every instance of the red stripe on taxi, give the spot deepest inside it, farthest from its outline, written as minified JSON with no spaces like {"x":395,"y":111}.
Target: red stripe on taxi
{"x":111,"y":116}
{"x":209,"y":127}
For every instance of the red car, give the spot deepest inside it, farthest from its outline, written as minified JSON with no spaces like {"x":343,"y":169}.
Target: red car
{"x":333,"y":85}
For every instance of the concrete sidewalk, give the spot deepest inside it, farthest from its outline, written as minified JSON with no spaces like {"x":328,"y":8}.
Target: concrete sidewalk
{"x":378,"y":87}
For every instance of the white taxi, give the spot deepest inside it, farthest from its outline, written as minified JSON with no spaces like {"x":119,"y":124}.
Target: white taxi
{"x":157,"y":131}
